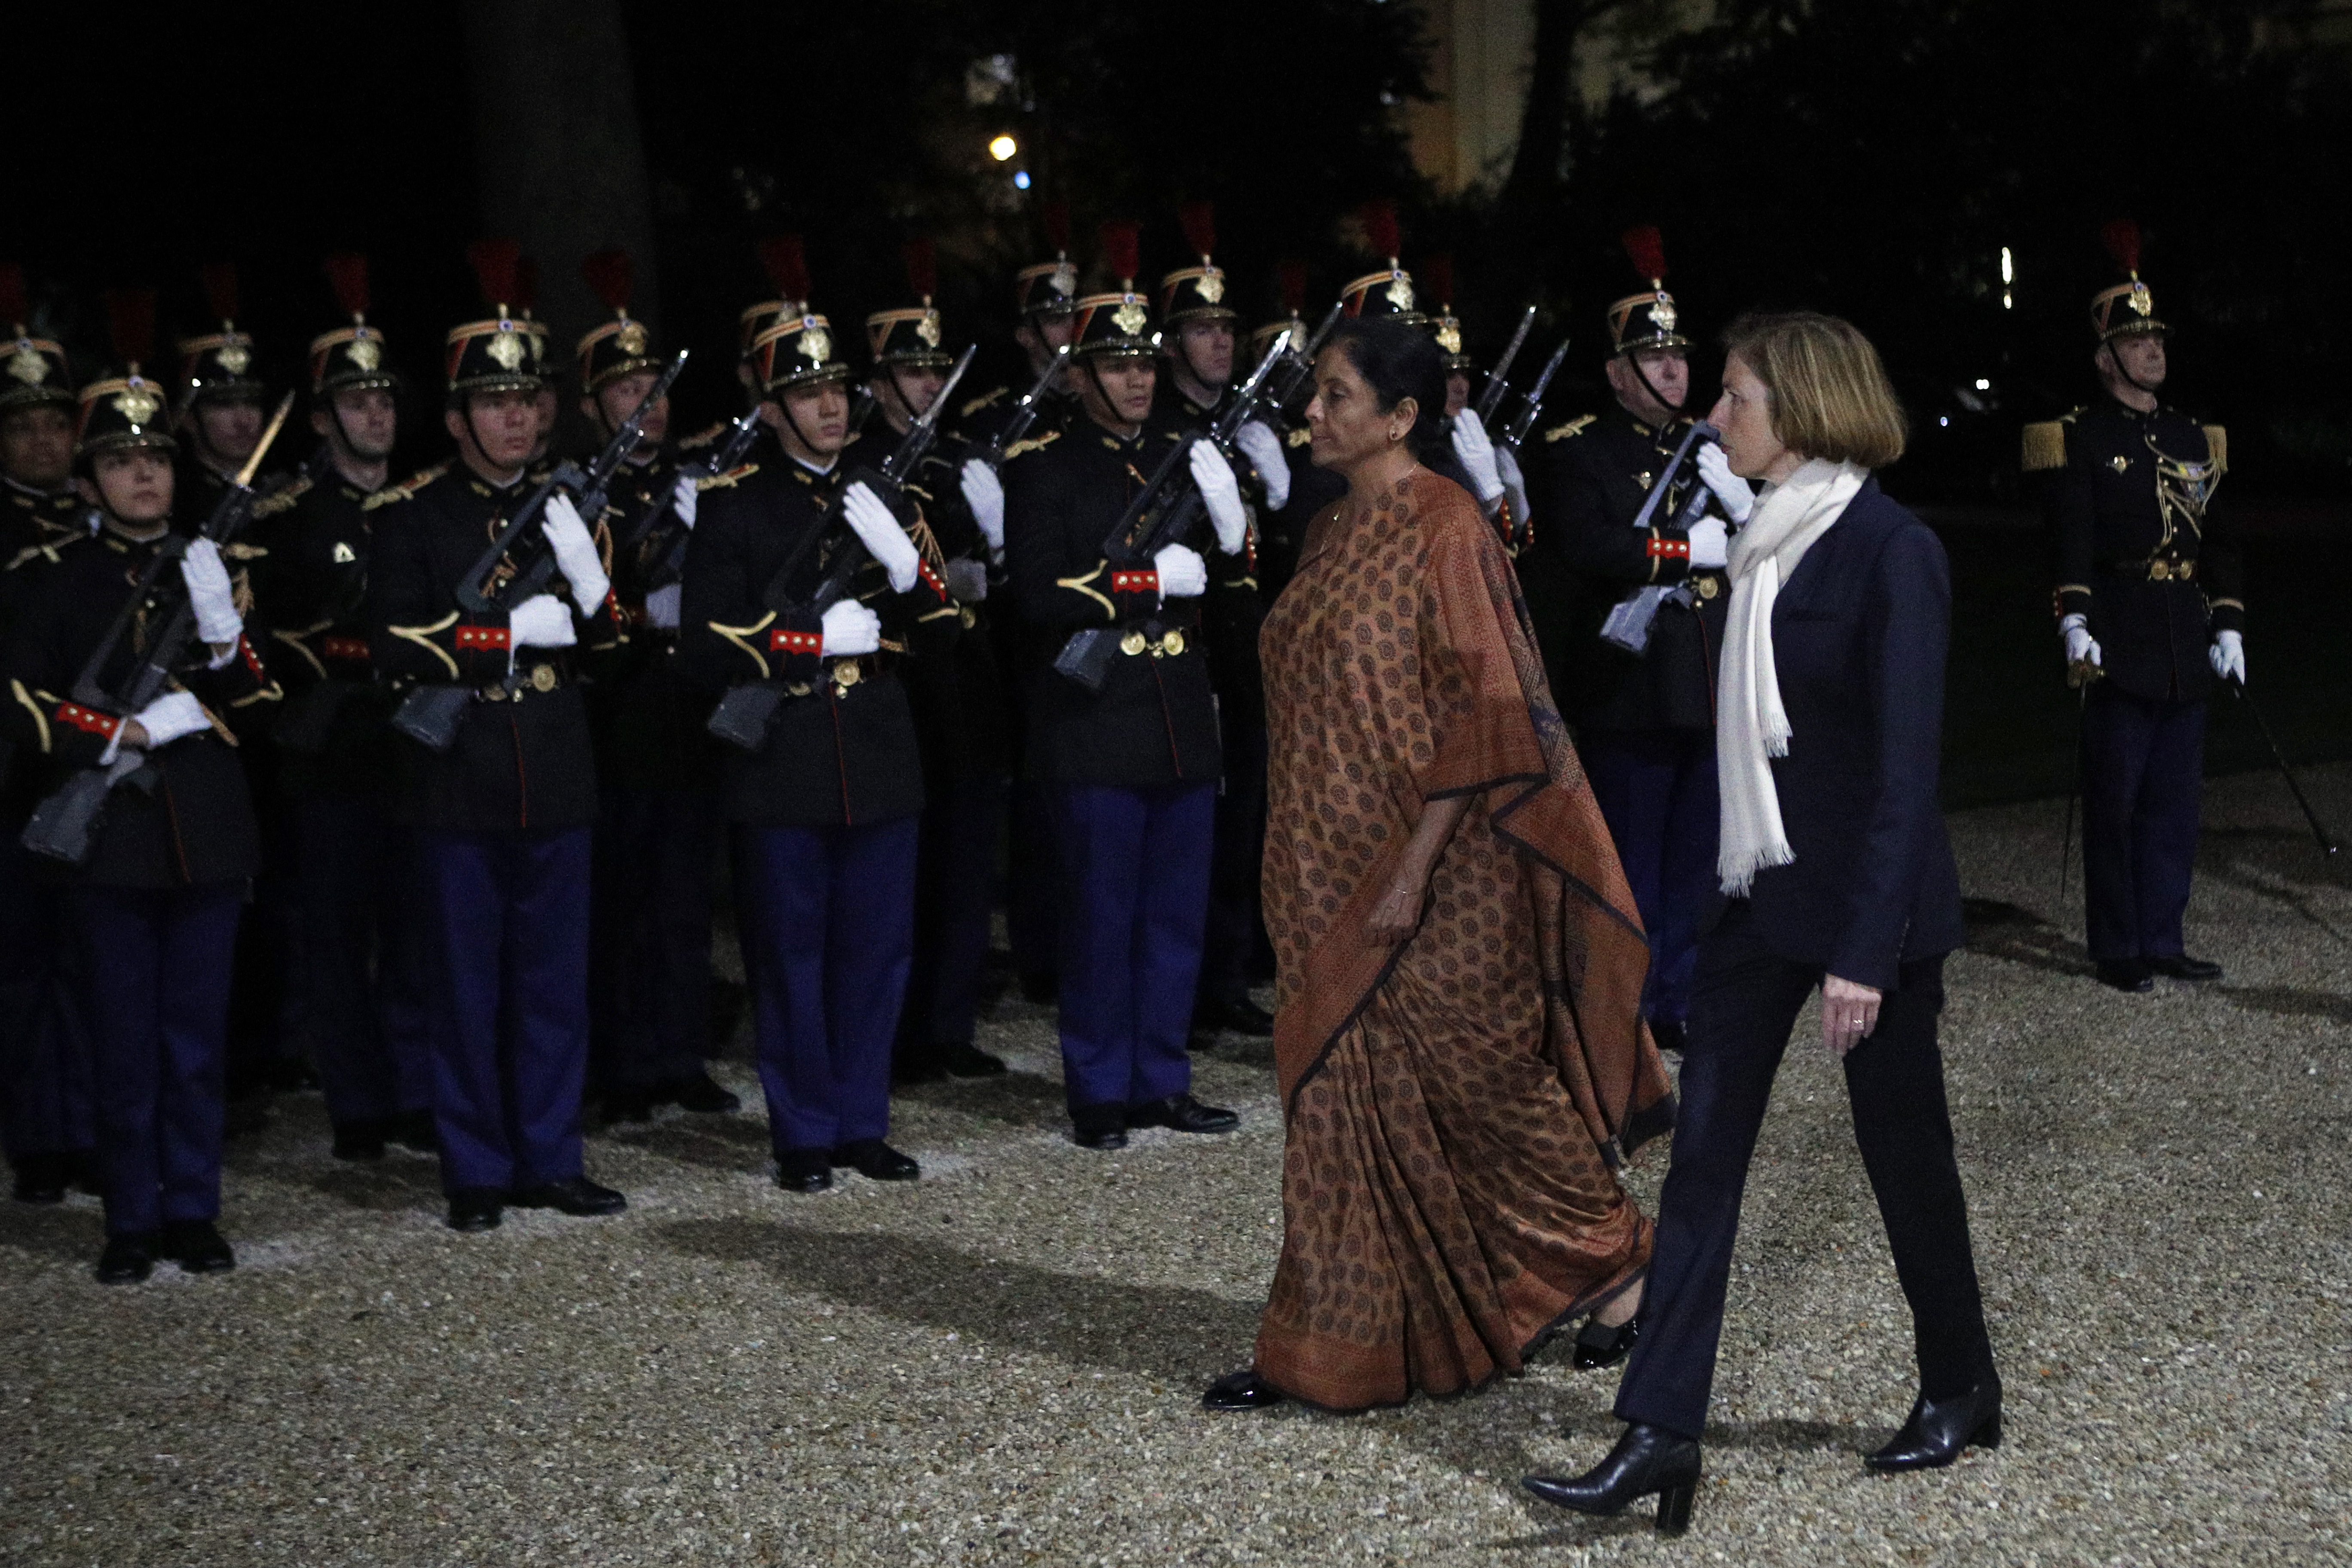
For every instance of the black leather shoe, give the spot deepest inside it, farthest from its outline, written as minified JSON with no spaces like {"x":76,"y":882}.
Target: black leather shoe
{"x":197,"y":1247}
{"x":2181,"y":966}
{"x":1237,"y":1014}
{"x":1183,"y":1113}
{"x":415,"y":1130}
{"x":41,"y":1178}
{"x":128,"y":1259}
{"x":968,"y":1060}
{"x":1939,"y":1429}
{"x":1670,"y":1035}
{"x":360,"y":1140}
{"x":1242,"y":1390}
{"x":1599,"y":1345}
{"x":1646,"y":1462}
{"x":876,"y":1160}
{"x":913,"y":1065}
{"x":704,"y":1097}
{"x":574,"y":1196}
{"x":634,"y":1105}
{"x":2125,"y":975}
{"x":1042,"y":986}
{"x":1099,"y":1127}
{"x":476,"y":1209}
{"x":804,"y":1169}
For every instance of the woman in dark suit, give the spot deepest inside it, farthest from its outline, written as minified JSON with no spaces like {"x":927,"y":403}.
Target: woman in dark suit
{"x":1835,"y":873}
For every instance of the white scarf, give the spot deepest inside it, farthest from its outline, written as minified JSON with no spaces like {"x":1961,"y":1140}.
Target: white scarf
{"x":1751,"y":725}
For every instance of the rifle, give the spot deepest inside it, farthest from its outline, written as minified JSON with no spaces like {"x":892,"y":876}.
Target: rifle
{"x":1490,"y":397}
{"x":1297,"y":368}
{"x":1627,"y":625}
{"x":64,"y":826}
{"x":430,"y":715}
{"x":671,"y":548}
{"x":1522,"y":423}
{"x":746,"y":713}
{"x":1025,"y":414}
{"x":1164,"y":513}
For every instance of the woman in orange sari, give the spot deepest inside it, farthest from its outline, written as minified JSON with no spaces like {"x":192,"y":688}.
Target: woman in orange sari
{"x":1458,"y":1033}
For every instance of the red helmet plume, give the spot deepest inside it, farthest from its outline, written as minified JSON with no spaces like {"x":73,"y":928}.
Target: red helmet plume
{"x":2121,"y":236}
{"x":1379,"y":219}
{"x":1293,"y":283}
{"x":347,"y":275}
{"x":1122,"y":249}
{"x":1057,"y":225}
{"x":1199,"y":221}
{"x":13,"y":297}
{"x":1645,"y":247}
{"x":131,"y":321}
{"x":786,"y":263}
{"x":220,"y":289}
{"x":922,"y":260}
{"x":613,"y":276}
{"x":1437,"y":277}
{"x":496,"y":263}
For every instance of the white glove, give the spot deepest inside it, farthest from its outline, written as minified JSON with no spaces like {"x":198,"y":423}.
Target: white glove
{"x":2081,"y":647}
{"x":541,"y":621}
{"x":661,"y":606}
{"x":576,"y":556}
{"x":984,"y":494}
{"x":1515,"y":483}
{"x":851,"y":628}
{"x":684,"y":496}
{"x":172,"y":717}
{"x":1182,"y":573}
{"x":1477,"y":455}
{"x":1264,"y":449}
{"x":2228,"y":656}
{"x":888,"y":543}
{"x":1738,"y":498}
{"x":967,"y":580}
{"x":209,"y":594}
{"x":1222,"y":494}
{"x":1710,"y":544}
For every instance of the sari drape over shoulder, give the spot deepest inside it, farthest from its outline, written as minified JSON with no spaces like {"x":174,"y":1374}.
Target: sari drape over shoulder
{"x":1456,"y":1104}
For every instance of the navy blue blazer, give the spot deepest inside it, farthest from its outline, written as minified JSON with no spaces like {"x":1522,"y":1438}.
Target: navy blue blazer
{"x":1859,"y":633}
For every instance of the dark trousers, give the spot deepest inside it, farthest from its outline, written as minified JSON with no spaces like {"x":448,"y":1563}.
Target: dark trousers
{"x":651,"y":1021}
{"x":1135,"y":898}
{"x":955,"y":894}
{"x":1236,"y":925}
{"x":159,"y":964}
{"x":45,"y":1050}
{"x":828,"y":922}
{"x":510,"y":912}
{"x":1746,"y":999}
{"x":1032,"y":886}
{"x":265,"y":1023}
{"x":362,"y":980}
{"x":2143,"y":768}
{"x":1656,"y":789}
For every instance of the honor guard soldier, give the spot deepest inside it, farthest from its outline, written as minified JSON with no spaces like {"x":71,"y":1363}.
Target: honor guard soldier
{"x":45,"y":1115}
{"x":156,"y":893}
{"x":958,"y":698}
{"x":1132,"y":768}
{"x":359,"y":961}
{"x":1197,"y":332}
{"x":220,"y":409}
{"x":1643,"y":711}
{"x":1492,"y":471}
{"x":824,"y":796}
{"x":656,"y":778}
{"x":501,"y":814}
{"x":2151,"y":616}
{"x":1282,"y":531}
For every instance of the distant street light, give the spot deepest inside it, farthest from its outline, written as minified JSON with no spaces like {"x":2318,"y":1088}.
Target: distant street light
{"x":2008,"y":277}
{"x":1002,"y":148}
{"x":1019,"y":179}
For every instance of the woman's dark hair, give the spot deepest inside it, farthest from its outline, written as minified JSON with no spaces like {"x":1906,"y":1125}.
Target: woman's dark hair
{"x":1398,"y":361}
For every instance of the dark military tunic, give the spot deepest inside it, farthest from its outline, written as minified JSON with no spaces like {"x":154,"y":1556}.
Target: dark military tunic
{"x":39,"y":520}
{"x":310,"y":586}
{"x":647,"y":716}
{"x":959,"y":700}
{"x":2143,"y":548}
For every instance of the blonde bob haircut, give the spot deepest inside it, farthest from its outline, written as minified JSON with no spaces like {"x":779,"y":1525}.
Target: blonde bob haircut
{"x":1831,"y":397}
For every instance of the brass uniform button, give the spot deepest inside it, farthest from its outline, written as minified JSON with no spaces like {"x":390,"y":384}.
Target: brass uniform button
{"x":1708,"y":588}
{"x":1133,"y":643}
{"x":542,"y":678}
{"x":1172,"y":644}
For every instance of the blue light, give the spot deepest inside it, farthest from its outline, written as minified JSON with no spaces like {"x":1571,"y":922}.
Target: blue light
{"x":1019,"y":179}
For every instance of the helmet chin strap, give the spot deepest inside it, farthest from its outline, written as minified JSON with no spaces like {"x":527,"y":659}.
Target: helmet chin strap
{"x":785,"y":406}
{"x":481,"y":446}
{"x":1673,"y":406}
{"x":2117,"y":361}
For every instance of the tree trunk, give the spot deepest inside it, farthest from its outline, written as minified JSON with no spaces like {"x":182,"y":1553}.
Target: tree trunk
{"x":1534,"y":179}
{"x":562,"y":162}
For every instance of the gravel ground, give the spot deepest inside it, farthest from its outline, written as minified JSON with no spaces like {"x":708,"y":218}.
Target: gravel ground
{"x":1001,"y":1363}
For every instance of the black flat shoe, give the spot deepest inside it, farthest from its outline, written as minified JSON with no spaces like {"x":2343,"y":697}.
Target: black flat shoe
{"x":41,"y":1178}
{"x":629,"y":1105}
{"x":968,"y":1060}
{"x":2125,"y":975}
{"x":804,"y":1169}
{"x":1938,"y":1429}
{"x":1041,"y":987}
{"x":1599,"y":1345}
{"x":1242,"y":1390}
{"x":704,"y":1097}
{"x":2181,"y":966}
{"x":1671,"y":1036}
{"x":575,"y":1195}
{"x":1235,"y":1015}
{"x":1183,"y":1113}
{"x":197,"y":1247}
{"x":473,"y":1210}
{"x":1647,"y":1460}
{"x":415,"y":1130}
{"x":1100,"y":1138}
{"x":876,"y":1160}
{"x":361,"y":1139}
{"x":128,"y":1259}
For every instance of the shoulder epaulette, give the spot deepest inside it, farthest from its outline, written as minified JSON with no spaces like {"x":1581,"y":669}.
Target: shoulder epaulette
{"x":1573,"y":427}
{"x":2043,"y":446}
{"x":2216,"y":447}
{"x":406,"y":489}
{"x":702,"y":437}
{"x":1298,"y":438}
{"x":283,"y":499}
{"x":31,"y":552}
{"x":727,"y":480}
{"x":1032,"y":444}
{"x":983,"y":401}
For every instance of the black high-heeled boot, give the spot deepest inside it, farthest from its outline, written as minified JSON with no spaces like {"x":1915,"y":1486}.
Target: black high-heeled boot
{"x":1938,"y":1429}
{"x":1599,"y":1345}
{"x":1646,"y":1460}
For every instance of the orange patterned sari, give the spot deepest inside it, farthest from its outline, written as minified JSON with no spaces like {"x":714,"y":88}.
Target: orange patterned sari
{"x":1456,"y":1105}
